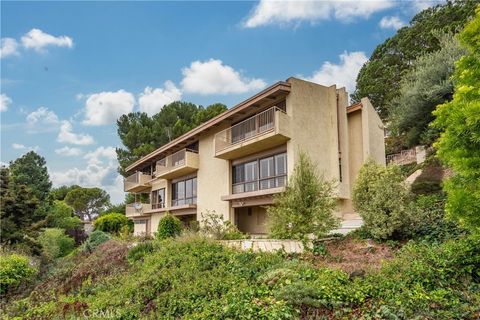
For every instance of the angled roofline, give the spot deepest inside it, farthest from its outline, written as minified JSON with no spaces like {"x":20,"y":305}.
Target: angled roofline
{"x":278,"y":86}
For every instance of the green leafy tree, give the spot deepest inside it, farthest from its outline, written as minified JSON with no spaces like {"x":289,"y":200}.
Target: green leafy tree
{"x":17,"y":209}
{"x":306,"y":207}
{"x":30,"y":170}
{"x":87,"y":203}
{"x":383,"y":200}
{"x":141,"y":134}
{"x":62,"y":216}
{"x":426,"y":85}
{"x":61,"y":192}
{"x":379,"y":79}
{"x":459,"y":143}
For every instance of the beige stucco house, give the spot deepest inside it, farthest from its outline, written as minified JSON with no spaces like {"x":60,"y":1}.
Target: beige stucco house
{"x":234,"y":163}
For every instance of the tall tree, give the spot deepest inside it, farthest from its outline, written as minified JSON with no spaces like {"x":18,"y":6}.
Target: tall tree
{"x":30,"y":170}
{"x":379,"y":79}
{"x":61,"y":192}
{"x":426,"y":85}
{"x":141,"y":134}
{"x":459,"y":143}
{"x":88,"y":202}
{"x":17,"y":209}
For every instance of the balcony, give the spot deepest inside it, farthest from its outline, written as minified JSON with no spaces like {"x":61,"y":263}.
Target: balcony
{"x":262,"y":131}
{"x":178,"y":164}
{"x":137,"y":182}
{"x":137,"y":209}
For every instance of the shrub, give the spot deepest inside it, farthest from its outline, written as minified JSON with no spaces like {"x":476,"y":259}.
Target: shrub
{"x":15,"y":269}
{"x":55,"y":243}
{"x":214,"y":226}
{"x":382,"y":199}
{"x":429,"y":221}
{"x":139,"y":251}
{"x":306,"y":207}
{"x":95,"y":239}
{"x":168,"y":227}
{"x":111,"y":222}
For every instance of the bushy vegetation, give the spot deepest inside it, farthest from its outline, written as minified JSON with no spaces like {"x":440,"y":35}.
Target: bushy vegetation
{"x":214,"y":226}
{"x":382,"y":199}
{"x":111,"y":222}
{"x":140,"y":250}
{"x":306,"y":207}
{"x":459,"y":143}
{"x":15,"y":270}
{"x":196,"y":278}
{"x":95,"y":239}
{"x":55,"y":243}
{"x":168,"y":227}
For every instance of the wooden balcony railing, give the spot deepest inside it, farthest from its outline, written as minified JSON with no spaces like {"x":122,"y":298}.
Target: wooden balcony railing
{"x":176,"y":160}
{"x":136,"y":180}
{"x":248,"y":129}
{"x":403,"y":157}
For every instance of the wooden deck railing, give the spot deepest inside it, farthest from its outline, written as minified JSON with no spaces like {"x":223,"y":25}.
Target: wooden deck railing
{"x":248,"y":129}
{"x":403,"y":157}
{"x":172,"y":161}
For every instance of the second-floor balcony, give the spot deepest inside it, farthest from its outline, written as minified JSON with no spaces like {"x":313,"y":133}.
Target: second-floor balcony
{"x":178,"y":164}
{"x":264,"y":130}
{"x":137,"y":209}
{"x":137,"y":182}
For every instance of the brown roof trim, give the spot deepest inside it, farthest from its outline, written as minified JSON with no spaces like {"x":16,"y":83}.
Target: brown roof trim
{"x":279,"y":86}
{"x":354,"y":107}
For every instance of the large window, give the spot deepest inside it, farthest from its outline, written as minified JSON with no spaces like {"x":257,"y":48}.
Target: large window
{"x":158,"y":198}
{"x":184,"y":192}
{"x":264,"y":173}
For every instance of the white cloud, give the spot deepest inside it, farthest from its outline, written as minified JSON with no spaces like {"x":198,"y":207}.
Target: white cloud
{"x":106,"y":107}
{"x":9,"y":47}
{"x":391,"y":23}
{"x":100,"y":171}
{"x":67,"y":136}
{"x":269,"y":12}
{"x":42,"y":120}
{"x":18,"y":146}
{"x":5,"y":101}
{"x":424,"y":4}
{"x":152,"y":100}
{"x":213,"y":77}
{"x":37,"y":40}
{"x":343,"y":74}
{"x":68,"y":152}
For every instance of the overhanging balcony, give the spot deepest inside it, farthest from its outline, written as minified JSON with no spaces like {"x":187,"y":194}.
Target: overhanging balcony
{"x":262,"y":131}
{"x":137,"y":209}
{"x":137,"y":182}
{"x":178,"y":164}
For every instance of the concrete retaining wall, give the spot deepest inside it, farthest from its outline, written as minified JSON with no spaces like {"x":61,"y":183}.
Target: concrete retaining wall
{"x":266,"y":245}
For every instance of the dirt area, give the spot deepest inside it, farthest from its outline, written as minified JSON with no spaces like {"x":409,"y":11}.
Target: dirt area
{"x":353,"y":255}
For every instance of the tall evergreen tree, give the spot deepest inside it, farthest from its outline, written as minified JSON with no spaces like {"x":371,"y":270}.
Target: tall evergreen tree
{"x":30,"y":170}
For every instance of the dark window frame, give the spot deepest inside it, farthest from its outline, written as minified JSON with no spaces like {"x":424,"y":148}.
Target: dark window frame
{"x":155,"y":203}
{"x":192,"y":199}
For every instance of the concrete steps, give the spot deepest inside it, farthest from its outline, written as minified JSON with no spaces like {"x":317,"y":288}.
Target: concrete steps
{"x":349,"y":225}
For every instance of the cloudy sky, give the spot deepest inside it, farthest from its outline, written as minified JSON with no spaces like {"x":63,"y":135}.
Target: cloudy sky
{"x":69,"y":70}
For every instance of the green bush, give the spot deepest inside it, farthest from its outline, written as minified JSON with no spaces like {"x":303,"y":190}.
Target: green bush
{"x":15,"y":269}
{"x":168,"y":227}
{"x":95,"y":239}
{"x":111,"y":222}
{"x":306,"y":207}
{"x":55,"y":243}
{"x":382,"y":199}
{"x":140,"y":250}
{"x":62,"y":216}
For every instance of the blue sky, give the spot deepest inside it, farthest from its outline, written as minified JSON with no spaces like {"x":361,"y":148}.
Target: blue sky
{"x":69,"y":69}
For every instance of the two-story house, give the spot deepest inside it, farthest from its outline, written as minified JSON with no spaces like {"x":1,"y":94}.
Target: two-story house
{"x":236,"y":162}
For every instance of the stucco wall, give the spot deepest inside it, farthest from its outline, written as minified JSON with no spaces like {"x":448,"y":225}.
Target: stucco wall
{"x":373,"y":133}
{"x":213,"y":179}
{"x":254,"y":223}
{"x":312,"y":109}
{"x":355,"y":142}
